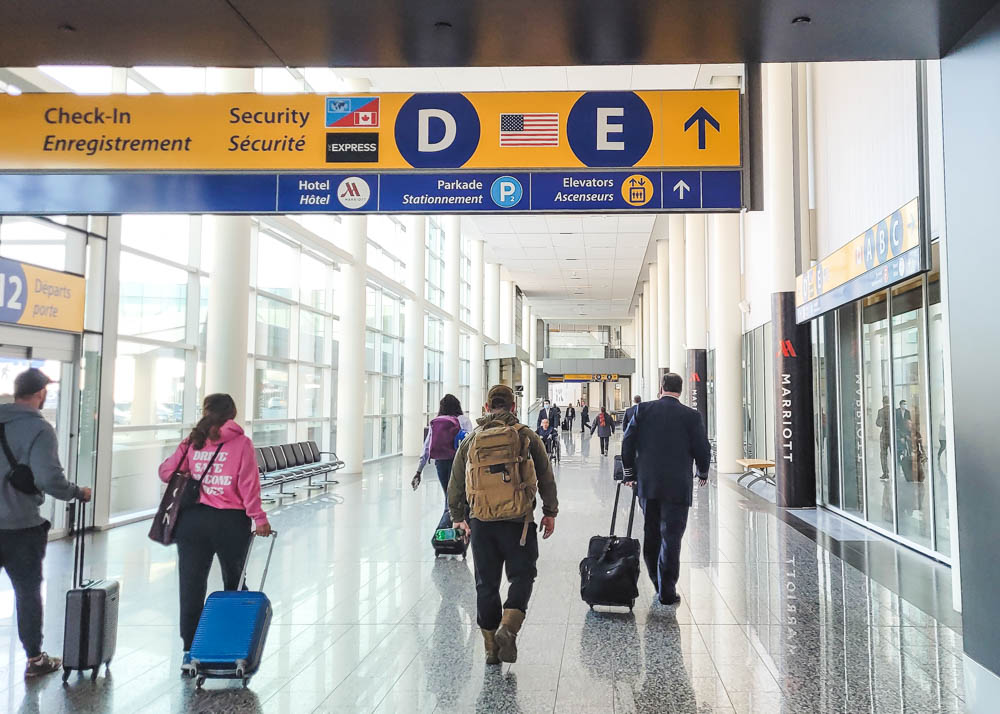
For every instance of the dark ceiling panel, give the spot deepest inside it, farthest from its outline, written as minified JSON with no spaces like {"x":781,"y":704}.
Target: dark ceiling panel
{"x":125,"y":33}
{"x":389,"y":33}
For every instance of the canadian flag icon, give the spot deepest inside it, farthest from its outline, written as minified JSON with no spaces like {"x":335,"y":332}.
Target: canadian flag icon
{"x":366,"y":119}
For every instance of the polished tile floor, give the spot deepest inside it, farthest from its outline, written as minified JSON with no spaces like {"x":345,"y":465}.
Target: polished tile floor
{"x":366,"y":620}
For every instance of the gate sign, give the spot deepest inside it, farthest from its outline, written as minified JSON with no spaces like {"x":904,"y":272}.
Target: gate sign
{"x":39,"y":297}
{"x":485,"y":131}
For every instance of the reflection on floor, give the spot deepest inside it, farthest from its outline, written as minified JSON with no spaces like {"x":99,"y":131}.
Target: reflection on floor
{"x":366,"y":620}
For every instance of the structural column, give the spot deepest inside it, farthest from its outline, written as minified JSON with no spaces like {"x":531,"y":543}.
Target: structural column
{"x":452,"y":301}
{"x":506,"y":336}
{"x":695,"y":309}
{"x":413,"y":340}
{"x":227,"y":343}
{"x":652,"y":370}
{"x":491,"y":302}
{"x":351,"y":375}
{"x":792,"y":346}
{"x":647,"y":390}
{"x":533,"y":356}
{"x":727,"y":327}
{"x":663,"y":304}
{"x":477,"y":395}
{"x":678,"y":301}
{"x":637,"y":351}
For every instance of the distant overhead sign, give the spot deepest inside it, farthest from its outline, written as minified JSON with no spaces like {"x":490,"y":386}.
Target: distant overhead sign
{"x":491,"y":131}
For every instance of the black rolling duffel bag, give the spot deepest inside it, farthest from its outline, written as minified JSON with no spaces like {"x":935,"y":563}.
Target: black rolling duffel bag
{"x":609,"y":575}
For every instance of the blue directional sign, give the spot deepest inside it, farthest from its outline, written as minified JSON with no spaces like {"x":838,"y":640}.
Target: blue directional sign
{"x":429,"y":193}
{"x":682,"y":190}
{"x":720,"y":189}
{"x":453,"y":192}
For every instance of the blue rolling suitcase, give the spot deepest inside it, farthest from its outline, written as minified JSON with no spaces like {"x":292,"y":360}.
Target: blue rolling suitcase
{"x":229,"y":641}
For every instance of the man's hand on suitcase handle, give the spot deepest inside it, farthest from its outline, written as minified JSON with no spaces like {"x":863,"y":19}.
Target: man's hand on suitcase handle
{"x":85,"y":494}
{"x":464,"y":527}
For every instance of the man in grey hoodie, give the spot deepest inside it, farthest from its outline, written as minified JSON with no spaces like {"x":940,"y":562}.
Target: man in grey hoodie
{"x":31,"y":441}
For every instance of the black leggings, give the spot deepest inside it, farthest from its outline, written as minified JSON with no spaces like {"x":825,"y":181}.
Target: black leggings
{"x":604,"y":443}
{"x":202,"y":533}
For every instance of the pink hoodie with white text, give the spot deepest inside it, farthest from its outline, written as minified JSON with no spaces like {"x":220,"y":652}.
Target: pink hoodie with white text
{"x":234,"y":482}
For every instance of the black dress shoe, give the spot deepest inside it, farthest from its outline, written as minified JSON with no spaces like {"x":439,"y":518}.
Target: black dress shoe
{"x":675,"y":600}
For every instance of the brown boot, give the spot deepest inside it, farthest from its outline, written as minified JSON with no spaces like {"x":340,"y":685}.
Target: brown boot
{"x":506,"y":636}
{"x":489,"y":639}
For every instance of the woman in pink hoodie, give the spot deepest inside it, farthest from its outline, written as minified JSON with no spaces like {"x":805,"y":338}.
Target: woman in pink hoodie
{"x":221,"y":456}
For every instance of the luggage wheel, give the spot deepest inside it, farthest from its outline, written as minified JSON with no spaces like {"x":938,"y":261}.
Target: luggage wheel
{"x":246,"y":682}
{"x":66,"y":671}
{"x":199,"y":681}
{"x":94,"y":672}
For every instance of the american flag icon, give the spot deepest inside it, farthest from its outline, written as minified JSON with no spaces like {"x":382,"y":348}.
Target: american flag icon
{"x":534,"y":129}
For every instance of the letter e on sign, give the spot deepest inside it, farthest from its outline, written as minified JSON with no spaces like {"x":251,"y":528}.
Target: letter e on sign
{"x":609,"y":129}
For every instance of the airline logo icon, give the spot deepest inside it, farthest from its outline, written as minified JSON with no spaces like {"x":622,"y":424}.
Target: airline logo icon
{"x":787,"y":349}
{"x":353,"y":192}
{"x":348,"y":112}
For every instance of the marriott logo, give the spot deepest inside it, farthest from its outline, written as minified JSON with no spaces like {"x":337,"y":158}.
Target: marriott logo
{"x":787,"y":349}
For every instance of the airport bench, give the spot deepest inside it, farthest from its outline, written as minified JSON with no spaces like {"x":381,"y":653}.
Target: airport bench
{"x":755,"y":470}
{"x":284,"y":464}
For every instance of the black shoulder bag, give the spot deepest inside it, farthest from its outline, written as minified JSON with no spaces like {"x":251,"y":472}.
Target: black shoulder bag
{"x":183,"y":490}
{"x":20,"y":476}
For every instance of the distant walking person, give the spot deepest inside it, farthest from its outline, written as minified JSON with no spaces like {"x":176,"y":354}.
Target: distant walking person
{"x":663,"y":439}
{"x":882,"y":422}
{"x":496,"y":474}
{"x":221,"y":457}
{"x":30,"y":466}
{"x":630,"y":412}
{"x":604,"y":424}
{"x":584,"y":418}
{"x":570,"y":416}
{"x":441,"y":444}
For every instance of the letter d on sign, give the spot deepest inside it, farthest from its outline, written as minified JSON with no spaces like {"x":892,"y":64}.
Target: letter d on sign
{"x":424,"y":117}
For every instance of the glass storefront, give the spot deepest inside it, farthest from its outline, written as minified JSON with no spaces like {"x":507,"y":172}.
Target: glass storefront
{"x":879,"y":387}
{"x":758,"y":394}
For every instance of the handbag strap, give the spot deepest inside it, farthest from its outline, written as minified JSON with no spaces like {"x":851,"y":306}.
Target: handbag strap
{"x":6,"y":447}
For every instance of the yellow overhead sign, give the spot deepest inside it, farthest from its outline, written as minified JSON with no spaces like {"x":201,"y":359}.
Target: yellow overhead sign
{"x":39,"y":297}
{"x":473,"y":130}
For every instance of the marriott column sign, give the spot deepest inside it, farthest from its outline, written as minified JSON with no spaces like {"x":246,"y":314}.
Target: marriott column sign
{"x":795,"y":469}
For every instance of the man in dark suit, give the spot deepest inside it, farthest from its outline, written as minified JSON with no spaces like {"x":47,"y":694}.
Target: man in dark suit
{"x":661,"y":443}
{"x":550,"y":412}
{"x":630,"y":412}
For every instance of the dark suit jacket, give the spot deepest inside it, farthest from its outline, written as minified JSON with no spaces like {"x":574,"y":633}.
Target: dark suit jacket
{"x":662,"y":442}
{"x":552,"y":414}
{"x":627,"y":419}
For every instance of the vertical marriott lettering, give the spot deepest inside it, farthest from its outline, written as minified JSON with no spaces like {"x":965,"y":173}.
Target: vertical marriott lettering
{"x":786,"y":416}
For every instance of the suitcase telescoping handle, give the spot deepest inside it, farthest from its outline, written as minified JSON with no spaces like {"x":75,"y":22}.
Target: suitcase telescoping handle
{"x":631,"y":513}
{"x":80,"y":528}
{"x":267,"y":563}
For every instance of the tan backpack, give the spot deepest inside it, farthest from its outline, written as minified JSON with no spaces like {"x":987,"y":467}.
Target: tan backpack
{"x":500,"y":479}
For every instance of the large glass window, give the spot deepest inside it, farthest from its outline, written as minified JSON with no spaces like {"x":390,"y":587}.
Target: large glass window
{"x":825,"y":360}
{"x":464,"y":371}
{"x":878,"y":416}
{"x":433,"y":364}
{"x":851,"y":443}
{"x":383,"y":374}
{"x":42,"y":241}
{"x":152,"y":299}
{"x":909,"y":382}
{"x":434,"y":263}
{"x":937,"y":448}
{"x":294,"y":349}
{"x":465,"y":276}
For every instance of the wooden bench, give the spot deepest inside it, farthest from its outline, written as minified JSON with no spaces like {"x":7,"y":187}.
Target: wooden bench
{"x":285,"y":463}
{"x":755,"y":470}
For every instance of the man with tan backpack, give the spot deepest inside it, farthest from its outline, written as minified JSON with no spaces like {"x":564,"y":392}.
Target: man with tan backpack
{"x":496,"y":474}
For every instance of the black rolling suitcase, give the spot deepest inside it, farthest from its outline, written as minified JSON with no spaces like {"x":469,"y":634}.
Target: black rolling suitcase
{"x":565,"y":425}
{"x":609,"y":575}
{"x":91,"y":628}
{"x":449,"y":546}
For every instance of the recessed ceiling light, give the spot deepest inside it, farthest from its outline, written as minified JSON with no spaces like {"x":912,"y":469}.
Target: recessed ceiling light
{"x":802,"y":20}
{"x":66,"y":27}
{"x":443,"y":25}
